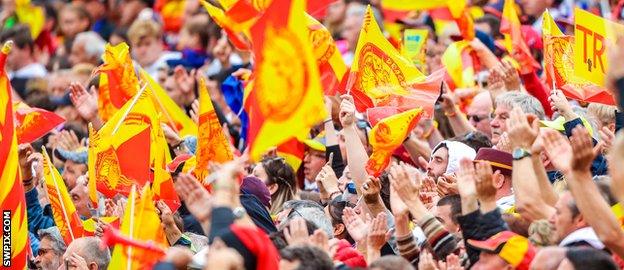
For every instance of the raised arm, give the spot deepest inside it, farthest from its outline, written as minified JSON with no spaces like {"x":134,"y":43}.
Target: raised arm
{"x":596,"y":211}
{"x":356,"y":153}
{"x":524,"y":180}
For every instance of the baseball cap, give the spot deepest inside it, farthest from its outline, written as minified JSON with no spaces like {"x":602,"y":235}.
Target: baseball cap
{"x":499,"y":160}
{"x":317,"y":143}
{"x":509,"y":246}
{"x":558,"y":124}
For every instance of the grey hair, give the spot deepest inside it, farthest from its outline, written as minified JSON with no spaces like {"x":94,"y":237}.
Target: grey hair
{"x":309,"y":211}
{"x":92,"y":252}
{"x":55,"y":237}
{"x":94,"y":45}
{"x":526,"y":102}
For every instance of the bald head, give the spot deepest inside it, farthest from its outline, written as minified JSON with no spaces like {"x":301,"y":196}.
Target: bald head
{"x":479,"y":113}
{"x":548,"y":258}
{"x":89,"y":249}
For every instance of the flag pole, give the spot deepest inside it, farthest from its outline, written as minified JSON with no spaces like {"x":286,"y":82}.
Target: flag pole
{"x":133,"y":196}
{"x":58,"y":192}
{"x":162,"y":108}
{"x":132,"y":103}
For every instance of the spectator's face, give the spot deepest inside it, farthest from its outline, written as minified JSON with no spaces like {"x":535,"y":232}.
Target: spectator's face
{"x":443,"y":213}
{"x":351,"y":31}
{"x":260,"y":172}
{"x":222,"y":50}
{"x":79,"y":55}
{"x":17,"y":58}
{"x":336,"y":12}
{"x":438,"y":163}
{"x":535,"y":7}
{"x":489,"y":261}
{"x":289,"y":265}
{"x":80,"y":197}
{"x":146,"y":51}
{"x":129,"y":11}
{"x":174,"y":91}
{"x":479,"y":113}
{"x":71,"y":172}
{"x":313,"y":162}
{"x":562,"y":221}
{"x":498,"y":123}
{"x":47,"y":258}
{"x":71,"y":24}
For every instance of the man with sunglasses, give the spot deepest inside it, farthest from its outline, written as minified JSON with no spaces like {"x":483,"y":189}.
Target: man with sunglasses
{"x":479,"y":111}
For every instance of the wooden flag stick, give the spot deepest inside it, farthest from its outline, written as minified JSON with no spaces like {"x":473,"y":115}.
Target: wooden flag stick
{"x":133,"y":102}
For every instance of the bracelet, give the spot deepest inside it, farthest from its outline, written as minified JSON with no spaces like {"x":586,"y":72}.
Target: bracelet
{"x":27,"y":182}
{"x":454,"y":113}
{"x":327,"y":120}
{"x":331,"y":195}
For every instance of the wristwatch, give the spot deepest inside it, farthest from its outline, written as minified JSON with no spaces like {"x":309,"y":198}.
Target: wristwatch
{"x":520,"y":153}
{"x":239,"y":212}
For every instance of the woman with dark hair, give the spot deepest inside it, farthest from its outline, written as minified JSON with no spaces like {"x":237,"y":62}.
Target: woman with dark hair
{"x":279,"y":178}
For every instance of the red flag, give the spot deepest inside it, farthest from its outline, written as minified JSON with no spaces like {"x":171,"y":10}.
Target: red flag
{"x":514,"y":40}
{"x":34,"y":123}
{"x":12,"y":199}
{"x":292,"y":151}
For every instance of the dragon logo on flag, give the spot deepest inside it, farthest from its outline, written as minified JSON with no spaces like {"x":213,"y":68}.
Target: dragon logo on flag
{"x":379,"y":72}
{"x":321,"y":43}
{"x":109,"y":171}
{"x":281,"y":68}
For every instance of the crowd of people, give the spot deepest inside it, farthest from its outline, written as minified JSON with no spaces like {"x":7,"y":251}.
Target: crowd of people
{"x":508,"y":174}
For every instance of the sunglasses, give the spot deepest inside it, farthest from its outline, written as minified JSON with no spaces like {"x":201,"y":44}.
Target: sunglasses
{"x":477,"y":118}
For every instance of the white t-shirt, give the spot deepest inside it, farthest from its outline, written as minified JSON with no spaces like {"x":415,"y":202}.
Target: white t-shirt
{"x":33,"y":70}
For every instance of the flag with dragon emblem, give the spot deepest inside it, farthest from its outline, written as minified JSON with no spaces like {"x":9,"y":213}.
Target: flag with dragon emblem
{"x":387,"y":135}
{"x":380,"y":73}
{"x":287,"y":97}
{"x":63,"y":210}
{"x":118,"y":80}
{"x":331,"y":66}
{"x":559,"y":66}
{"x":212,"y":145}
{"x":140,"y":222}
{"x":459,"y":61}
{"x":12,"y":199}
{"x":33,"y":123}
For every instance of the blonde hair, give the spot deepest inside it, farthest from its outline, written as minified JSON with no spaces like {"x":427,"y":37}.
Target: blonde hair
{"x":604,"y":114}
{"x":144,"y":28}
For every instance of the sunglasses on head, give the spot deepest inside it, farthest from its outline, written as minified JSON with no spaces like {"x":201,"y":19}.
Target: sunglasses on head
{"x":477,"y":118}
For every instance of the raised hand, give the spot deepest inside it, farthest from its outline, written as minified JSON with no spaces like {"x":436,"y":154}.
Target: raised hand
{"x":558,"y":150}
{"x":226,"y":189}
{"x":447,"y":185}
{"x":86,"y":103}
{"x":426,"y":261}
{"x":466,"y":178}
{"x":347,"y":111}
{"x":297,"y":232}
{"x":327,"y":181}
{"x":320,"y":239}
{"x":184,"y":80}
{"x":607,"y":137}
{"x":407,"y":190}
{"x":504,"y":144}
{"x":511,"y":78}
{"x":397,"y":205}
{"x":521,"y":133}
{"x":486,"y":190}
{"x":67,"y":140}
{"x":582,"y":149}
{"x":559,"y":103}
{"x":196,"y":198}
{"x":371,"y":189}
{"x":356,"y":227}
{"x":448,"y":105}
{"x":377,"y":232}
{"x":195,"y":111}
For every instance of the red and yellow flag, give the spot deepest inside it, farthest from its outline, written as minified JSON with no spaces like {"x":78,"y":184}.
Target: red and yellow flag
{"x":12,"y":200}
{"x":63,"y":210}
{"x":378,"y":70}
{"x":92,"y":152}
{"x":172,"y":13}
{"x":387,"y":135}
{"x":514,"y":40}
{"x":292,"y":151}
{"x":330,"y":64}
{"x":90,"y":225}
{"x":559,"y":66}
{"x":171,"y":114}
{"x":465,"y":23}
{"x":397,"y":9}
{"x":33,"y":123}
{"x":231,"y":29}
{"x":140,"y":222}
{"x":287,"y":97}
{"x":163,"y":183}
{"x":212,"y":145}
{"x":459,"y":62}
{"x":118,"y":80}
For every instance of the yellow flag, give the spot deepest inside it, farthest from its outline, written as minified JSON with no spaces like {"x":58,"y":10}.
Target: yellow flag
{"x":118,"y":80}
{"x":378,"y":69}
{"x":63,"y":210}
{"x":456,"y":7}
{"x":591,"y":36}
{"x":458,"y":63}
{"x":31,"y":15}
{"x":287,"y":98}
{"x":549,"y":27}
{"x":171,"y":113}
{"x":140,"y":222}
{"x":212,"y":145}
{"x":387,"y":135}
